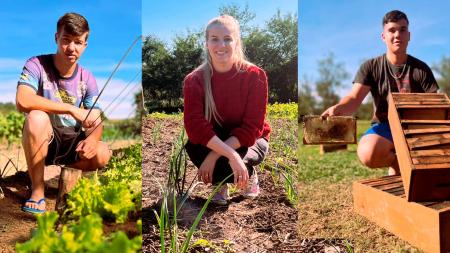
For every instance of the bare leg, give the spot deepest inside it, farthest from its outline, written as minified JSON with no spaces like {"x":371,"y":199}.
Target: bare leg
{"x":37,"y":132}
{"x":375,"y":151}
{"x":98,"y":161}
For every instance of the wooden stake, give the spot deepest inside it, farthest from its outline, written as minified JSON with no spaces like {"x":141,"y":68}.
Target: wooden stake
{"x":67,"y":180}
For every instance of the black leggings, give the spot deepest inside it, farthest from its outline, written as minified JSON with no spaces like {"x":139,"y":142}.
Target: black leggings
{"x":251,"y":156}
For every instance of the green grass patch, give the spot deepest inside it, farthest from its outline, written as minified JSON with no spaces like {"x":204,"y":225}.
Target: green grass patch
{"x":336,"y":166}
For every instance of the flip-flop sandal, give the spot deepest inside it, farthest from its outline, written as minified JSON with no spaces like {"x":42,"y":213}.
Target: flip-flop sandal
{"x":34,"y":210}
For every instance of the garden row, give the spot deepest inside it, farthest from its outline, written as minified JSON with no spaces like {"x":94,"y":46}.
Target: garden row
{"x":111,"y":198}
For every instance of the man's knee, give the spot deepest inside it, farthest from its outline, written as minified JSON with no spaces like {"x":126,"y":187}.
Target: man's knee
{"x":366,"y":156}
{"x":103,"y":155}
{"x":375,"y":153}
{"x":36,"y":122}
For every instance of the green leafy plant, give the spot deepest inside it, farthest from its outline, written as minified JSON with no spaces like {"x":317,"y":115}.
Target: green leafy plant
{"x":11,"y":126}
{"x":113,"y":194}
{"x":86,"y":235}
{"x":283,"y":110}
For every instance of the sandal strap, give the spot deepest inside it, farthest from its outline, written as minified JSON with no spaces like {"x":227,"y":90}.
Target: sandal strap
{"x":36,"y":202}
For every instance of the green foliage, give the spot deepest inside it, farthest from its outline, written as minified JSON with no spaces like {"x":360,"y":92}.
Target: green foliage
{"x":365,"y":110}
{"x":336,"y":166}
{"x":275,"y":110}
{"x":443,"y":69}
{"x":6,"y":108}
{"x":121,"y":129}
{"x":203,"y":245}
{"x":11,"y":126}
{"x":307,"y":103}
{"x":278,"y":56}
{"x":163,"y":115}
{"x":285,"y":111}
{"x":331,"y":76}
{"x":164,"y":69}
{"x":272,"y":47}
{"x":114,"y":194}
{"x":83,"y":236}
{"x":178,"y":164}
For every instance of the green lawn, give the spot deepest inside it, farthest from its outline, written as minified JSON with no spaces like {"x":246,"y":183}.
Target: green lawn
{"x":336,"y":166}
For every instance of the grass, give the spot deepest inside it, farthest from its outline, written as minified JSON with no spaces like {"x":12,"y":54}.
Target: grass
{"x":326,"y":204}
{"x":336,"y":166}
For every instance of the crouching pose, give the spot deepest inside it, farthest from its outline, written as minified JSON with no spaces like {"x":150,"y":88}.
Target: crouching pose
{"x":394,"y":71}
{"x":225,"y":102}
{"x":56,"y":93}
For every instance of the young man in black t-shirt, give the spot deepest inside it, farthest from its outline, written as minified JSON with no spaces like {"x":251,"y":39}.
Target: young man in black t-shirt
{"x":395,"y":71}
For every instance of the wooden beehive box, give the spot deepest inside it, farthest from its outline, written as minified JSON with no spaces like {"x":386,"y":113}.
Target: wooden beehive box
{"x":329,"y":130}
{"x":420,"y":127}
{"x":425,"y":225}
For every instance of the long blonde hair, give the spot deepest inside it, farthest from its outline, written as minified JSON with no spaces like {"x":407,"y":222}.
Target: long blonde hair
{"x":239,"y":60}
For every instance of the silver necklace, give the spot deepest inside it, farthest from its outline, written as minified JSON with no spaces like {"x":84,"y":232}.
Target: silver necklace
{"x":391,"y":72}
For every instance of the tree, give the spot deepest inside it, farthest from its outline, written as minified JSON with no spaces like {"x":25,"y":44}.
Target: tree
{"x":331,"y":76}
{"x":273,"y":48}
{"x":306,"y":101}
{"x":164,"y":70}
{"x":443,"y":69}
{"x":244,"y":17}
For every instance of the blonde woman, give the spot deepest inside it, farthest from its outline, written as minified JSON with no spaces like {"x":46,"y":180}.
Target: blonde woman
{"x":225,"y":102}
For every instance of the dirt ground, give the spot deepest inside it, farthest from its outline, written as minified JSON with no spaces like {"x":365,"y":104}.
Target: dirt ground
{"x":16,"y":225}
{"x":266,"y":224}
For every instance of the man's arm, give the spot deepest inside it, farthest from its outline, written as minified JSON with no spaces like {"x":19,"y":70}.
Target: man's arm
{"x":350,"y":103}
{"x":27,"y":100}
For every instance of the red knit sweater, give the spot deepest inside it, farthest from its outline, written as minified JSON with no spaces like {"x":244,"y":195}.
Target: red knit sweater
{"x":241,"y":101}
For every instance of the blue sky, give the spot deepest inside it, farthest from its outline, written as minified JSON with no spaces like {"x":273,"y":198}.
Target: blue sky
{"x":351,"y":30}
{"x":165,"y":19}
{"x":28,"y":29}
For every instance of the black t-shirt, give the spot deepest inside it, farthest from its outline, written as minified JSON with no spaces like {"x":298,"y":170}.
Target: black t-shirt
{"x":383,"y":77}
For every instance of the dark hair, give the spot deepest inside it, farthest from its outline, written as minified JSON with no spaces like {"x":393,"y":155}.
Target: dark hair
{"x":73,"y":24}
{"x":394,"y":16}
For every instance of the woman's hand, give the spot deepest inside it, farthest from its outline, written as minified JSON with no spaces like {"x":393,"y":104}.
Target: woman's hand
{"x":239,"y":170}
{"x":237,"y":165}
{"x":205,"y":172}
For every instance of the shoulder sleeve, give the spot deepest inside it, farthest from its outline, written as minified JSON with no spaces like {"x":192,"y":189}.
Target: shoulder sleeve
{"x":255,"y":111}
{"x":31,"y":74}
{"x":198,"y":129}
{"x":89,"y":84}
{"x":364,"y":75}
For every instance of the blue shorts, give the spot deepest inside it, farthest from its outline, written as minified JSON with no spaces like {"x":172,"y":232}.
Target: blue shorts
{"x":381,"y":129}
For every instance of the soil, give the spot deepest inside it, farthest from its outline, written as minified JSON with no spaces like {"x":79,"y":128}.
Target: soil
{"x":266,"y":224}
{"x":16,"y":225}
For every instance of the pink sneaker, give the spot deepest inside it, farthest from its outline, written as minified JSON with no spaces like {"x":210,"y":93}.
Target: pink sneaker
{"x":252,"y":191}
{"x":221,"y":197}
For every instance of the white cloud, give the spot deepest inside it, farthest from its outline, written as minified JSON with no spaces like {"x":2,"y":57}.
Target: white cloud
{"x":8,"y":90}
{"x":11,"y":64}
{"x":122,"y":107}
